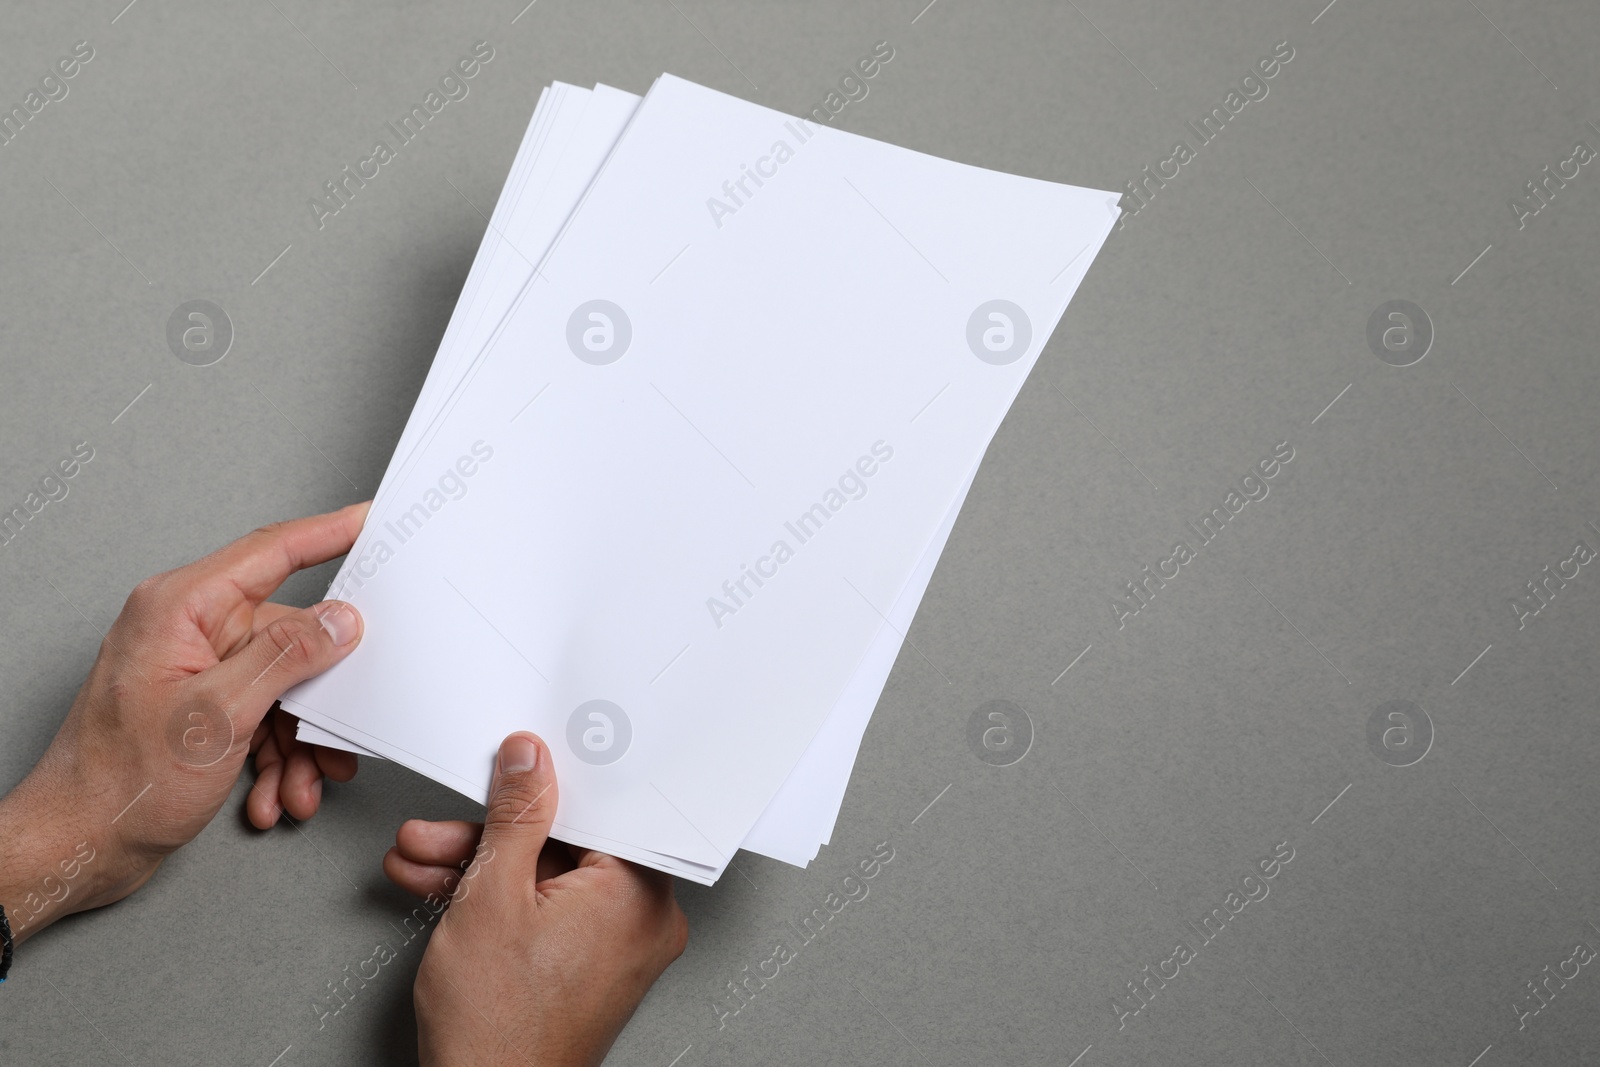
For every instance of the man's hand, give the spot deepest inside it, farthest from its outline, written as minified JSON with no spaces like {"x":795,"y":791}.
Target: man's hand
{"x":546,"y":949}
{"x":177,"y":698}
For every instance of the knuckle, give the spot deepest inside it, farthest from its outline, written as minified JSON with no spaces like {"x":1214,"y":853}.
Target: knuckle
{"x":429,"y":989}
{"x":519,"y":799}
{"x":677,"y":932}
{"x":124,"y":691}
{"x":222,"y":706}
{"x":270,"y":531}
{"x":291,"y":640}
{"x":211,"y":711}
{"x":146,"y":595}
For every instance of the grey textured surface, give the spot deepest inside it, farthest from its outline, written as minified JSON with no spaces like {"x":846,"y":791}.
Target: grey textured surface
{"x":1179,"y":749}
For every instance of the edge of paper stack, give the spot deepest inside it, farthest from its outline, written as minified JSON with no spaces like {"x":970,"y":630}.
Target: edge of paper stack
{"x":692,"y":324}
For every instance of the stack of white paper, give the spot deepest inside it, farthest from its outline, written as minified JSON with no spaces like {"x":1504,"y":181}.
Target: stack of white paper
{"x":697,"y":432}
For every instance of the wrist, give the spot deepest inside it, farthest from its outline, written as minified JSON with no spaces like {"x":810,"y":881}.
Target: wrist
{"x":53,"y":864}
{"x":30,"y":889}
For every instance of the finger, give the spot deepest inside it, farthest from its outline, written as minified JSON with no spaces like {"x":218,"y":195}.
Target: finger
{"x":301,"y":789}
{"x":420,"y":879}
{"x":267,"y":612}
{"x":289,"y":650}
{"x":283,"y":727}
{"x":257,"y":563}
{"x":522,"y":804}
{"x":621,"y":868}
{"x":332,"y":763}
{"x":262,"y":805}
{"x":239,"y":625}
{"x":446,"y":879}
{"x":624,"y":875}
{"x":335,"y":763}
{"x":440,"y":844}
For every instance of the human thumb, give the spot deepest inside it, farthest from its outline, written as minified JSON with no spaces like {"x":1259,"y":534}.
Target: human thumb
{"x":287,"y":651}
{"x":522,"y":801}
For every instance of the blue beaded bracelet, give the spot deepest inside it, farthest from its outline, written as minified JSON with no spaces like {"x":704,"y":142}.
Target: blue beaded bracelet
{"x":5,"y":945}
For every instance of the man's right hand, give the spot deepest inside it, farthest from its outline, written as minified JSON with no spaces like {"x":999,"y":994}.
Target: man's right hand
{"x":546,"y":949}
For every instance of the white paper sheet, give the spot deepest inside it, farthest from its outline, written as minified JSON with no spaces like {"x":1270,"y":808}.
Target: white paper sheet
{"x":802,"y":814}
{"x":805,"y":329}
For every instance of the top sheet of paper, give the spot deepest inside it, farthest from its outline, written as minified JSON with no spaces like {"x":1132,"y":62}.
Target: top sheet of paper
{"x":700,"y":457}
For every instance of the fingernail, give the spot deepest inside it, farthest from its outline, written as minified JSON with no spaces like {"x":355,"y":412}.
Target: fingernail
{"x":518,"y":754}
{"x":340,"y":621}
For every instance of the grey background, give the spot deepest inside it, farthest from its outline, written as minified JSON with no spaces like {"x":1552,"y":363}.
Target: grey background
{"x":1220,"y":721}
